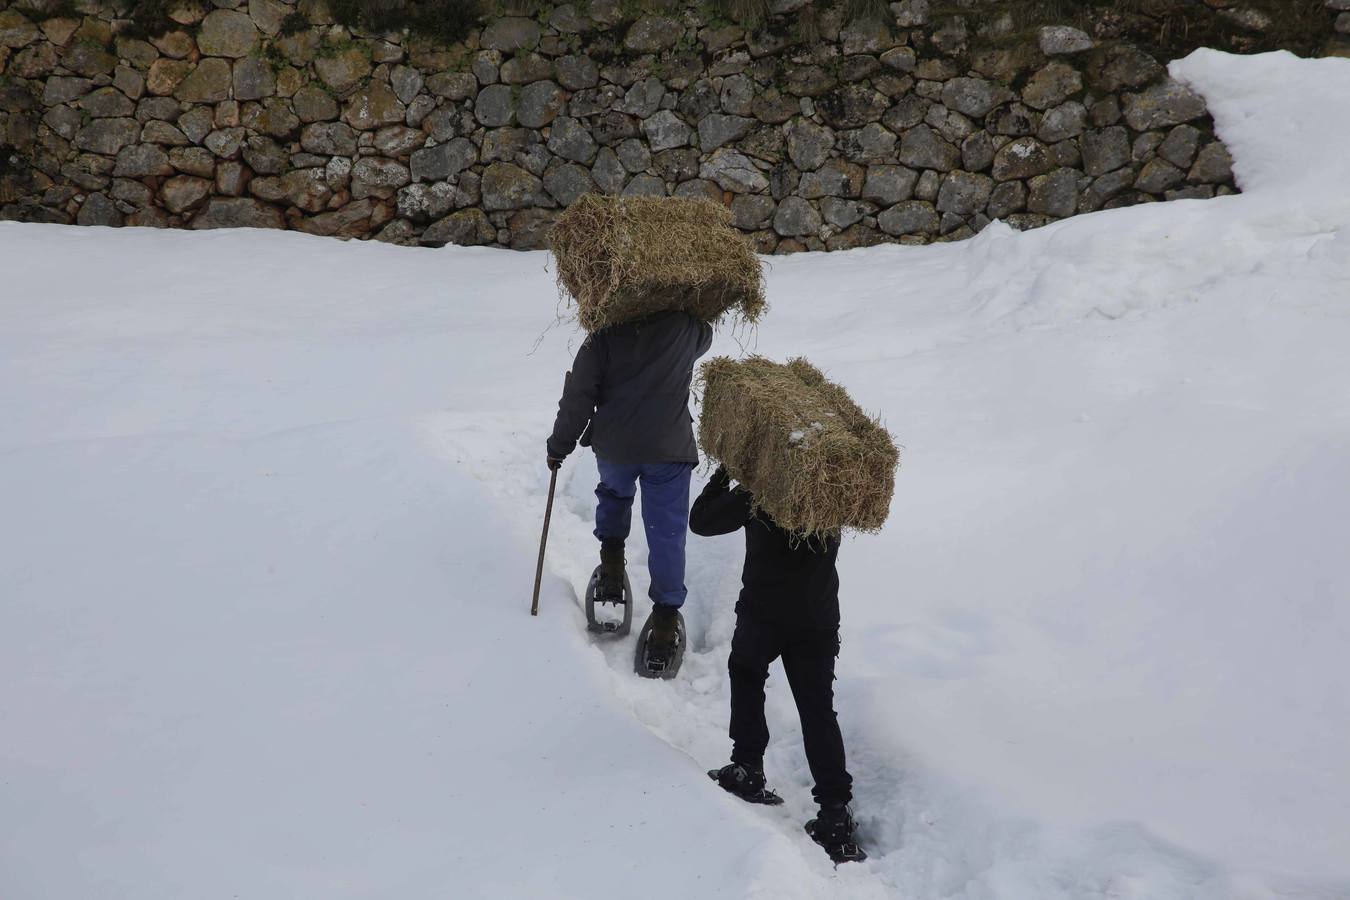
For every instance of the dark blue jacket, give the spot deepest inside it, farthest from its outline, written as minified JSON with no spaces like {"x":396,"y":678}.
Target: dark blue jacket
{"x":627,"y":395}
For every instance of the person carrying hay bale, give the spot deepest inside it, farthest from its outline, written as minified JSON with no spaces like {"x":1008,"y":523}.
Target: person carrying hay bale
{"x":803,"y":449}
{"x":788,"y":609}
{"x":649,"y":277}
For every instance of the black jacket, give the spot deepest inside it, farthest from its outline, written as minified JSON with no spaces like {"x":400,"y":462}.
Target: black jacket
{"x":628,"y":392}
{"x":787,"y":579}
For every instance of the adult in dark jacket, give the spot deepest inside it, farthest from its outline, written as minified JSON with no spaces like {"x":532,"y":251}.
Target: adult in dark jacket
{"x":627,"y":397}
{"x":789,"y":608}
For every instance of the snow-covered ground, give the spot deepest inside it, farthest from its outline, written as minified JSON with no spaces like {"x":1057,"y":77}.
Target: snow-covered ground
{"x":268,"y":524}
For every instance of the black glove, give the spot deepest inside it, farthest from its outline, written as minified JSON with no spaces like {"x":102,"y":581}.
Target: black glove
{"x":555,"y":463}
{"x":721,"y":478}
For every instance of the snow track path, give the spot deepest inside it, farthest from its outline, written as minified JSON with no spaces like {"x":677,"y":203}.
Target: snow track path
{"x":689,"y":712}
{"x":927,"y":837}
{"x":272,"y":503}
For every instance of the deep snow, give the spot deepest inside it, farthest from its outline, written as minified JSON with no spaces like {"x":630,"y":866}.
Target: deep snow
{"x":270,"y":505}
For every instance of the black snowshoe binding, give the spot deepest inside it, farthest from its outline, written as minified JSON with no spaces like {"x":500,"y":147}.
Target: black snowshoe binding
{"x":609,"y":586}
{"x":660,"y":645}
{"x":834,"y":830}
{"x":744,"y":782}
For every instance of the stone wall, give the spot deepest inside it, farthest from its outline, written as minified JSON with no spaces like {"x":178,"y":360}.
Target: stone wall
{"x":891,"y":131}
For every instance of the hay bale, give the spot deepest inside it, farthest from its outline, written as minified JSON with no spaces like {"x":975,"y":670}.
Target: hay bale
{"x":623,"y":259}
{"x":814,"y":461}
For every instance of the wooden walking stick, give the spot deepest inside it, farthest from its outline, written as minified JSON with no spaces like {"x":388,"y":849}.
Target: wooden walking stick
{"x":543,"y":540}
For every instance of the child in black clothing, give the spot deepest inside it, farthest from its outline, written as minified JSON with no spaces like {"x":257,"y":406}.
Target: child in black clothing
{"x":788,"y":607}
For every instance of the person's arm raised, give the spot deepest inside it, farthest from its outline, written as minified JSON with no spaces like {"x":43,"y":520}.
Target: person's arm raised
{"x":719,"y":509}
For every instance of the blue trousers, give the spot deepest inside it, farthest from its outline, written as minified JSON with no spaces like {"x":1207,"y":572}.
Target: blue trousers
{"x":665,"y":516}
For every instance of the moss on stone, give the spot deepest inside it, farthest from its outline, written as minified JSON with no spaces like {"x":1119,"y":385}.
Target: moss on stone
{"x":272,"y":55}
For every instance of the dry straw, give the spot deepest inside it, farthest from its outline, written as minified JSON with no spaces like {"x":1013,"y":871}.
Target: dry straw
{"x":814,"y":461}
{"x":623,"y":259}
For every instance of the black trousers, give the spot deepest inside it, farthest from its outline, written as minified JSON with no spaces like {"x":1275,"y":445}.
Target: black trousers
{"x":808,"y":654}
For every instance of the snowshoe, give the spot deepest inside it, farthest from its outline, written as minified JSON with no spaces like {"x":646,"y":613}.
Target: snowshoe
{"x":609,"y":586}
{"x":746,"y":783}
{"x":834,"y":830}
{"x":660,"y":645}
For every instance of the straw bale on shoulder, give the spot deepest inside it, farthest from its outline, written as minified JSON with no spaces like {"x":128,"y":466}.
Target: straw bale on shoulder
{"x":621,"y":259}
{"x":814,"y":461}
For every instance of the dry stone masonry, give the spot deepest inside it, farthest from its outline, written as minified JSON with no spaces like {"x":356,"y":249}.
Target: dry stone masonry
{"x":876,"y":132}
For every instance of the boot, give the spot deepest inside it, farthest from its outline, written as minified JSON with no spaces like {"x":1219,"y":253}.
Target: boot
{"x":834,"y":830}
{"x":609,"y":586}
{"x":664,"y":635}
{"x":745,"y":782}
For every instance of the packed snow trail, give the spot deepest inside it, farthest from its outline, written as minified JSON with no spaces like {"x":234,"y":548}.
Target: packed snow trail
{"x":272,"y":503}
